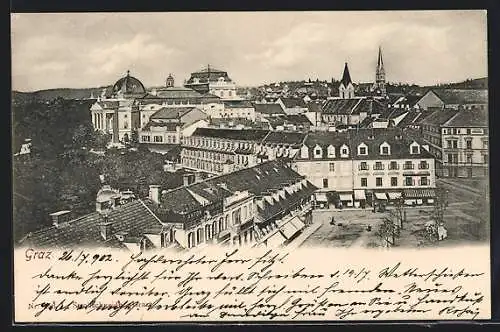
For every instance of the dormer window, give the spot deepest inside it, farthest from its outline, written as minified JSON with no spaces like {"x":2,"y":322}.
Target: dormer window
{"x":362,"y":149}
{"x":344,"y":151}
{"x":318,"y":151}
{"x":304,"y":152}
{"x":414,"y":148}
{"x":385,"y":149}
{"x":331,"y":151}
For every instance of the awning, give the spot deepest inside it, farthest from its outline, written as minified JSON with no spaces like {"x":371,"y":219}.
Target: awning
{"x":419,"y":193}
{"x":321,"y":197}
{"x":394,"y":195}
{"x":275,"y":240}
{"x":345,"y":197}
{"x":297,"y":223}
{"x":359,"y":194}
{"x":288,"y":230}
{"x":380,"y":196}
{"x":416,"y":173}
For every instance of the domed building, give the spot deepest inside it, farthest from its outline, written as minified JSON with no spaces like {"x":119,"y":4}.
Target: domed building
{"x":128,"y":87}
{"x":213,"y":81}
{"x":116,"y":112}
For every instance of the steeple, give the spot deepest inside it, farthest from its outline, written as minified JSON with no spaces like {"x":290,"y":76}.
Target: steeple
{"x":346,"y":88}
{"x":346,"y":77}
{"x":380,"y":74}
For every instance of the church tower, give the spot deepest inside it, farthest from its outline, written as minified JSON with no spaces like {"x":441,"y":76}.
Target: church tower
{"x":170,"y":81}
{"x":346,"y":88}
{"x":380,"y":75}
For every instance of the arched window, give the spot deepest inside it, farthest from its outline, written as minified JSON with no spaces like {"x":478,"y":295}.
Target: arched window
{"x":221,"y":226}
{"x":208,"y":233}
{"x":199,"y":235}
{"x":214,"y":229}
{"x":191,"y":243}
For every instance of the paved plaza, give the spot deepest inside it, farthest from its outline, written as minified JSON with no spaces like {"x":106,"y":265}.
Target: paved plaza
{"x":464,"y":222}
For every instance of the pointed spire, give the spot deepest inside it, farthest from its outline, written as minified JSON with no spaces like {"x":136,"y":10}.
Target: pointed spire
{"x":346,"y":77}
{"x":380,"y":62}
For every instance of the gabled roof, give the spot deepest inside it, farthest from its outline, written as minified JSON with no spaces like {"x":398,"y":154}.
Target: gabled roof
{"x":353,"y":106}
{"x":293,"y":119}
{"x":171,"y":112}
{"x":410,"y":100}
{"x":293,"y":102}
{"x":269,"y":108}
{"x":284,"y":137}
{"x":439,"y":117}
{"x":462,"y":96}
{"x":468,"y":118}
{"x":238,"y":104}
{"x":135,"y":218}
{"x":232,"y":134}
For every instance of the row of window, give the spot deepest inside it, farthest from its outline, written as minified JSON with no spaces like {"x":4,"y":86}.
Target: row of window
{"x":385,"y":149}
{"x":467,"y":131}
{"x":216,"y":143}
{"x":454,"y":144}
{"x":158,"y":139}
{"x":452,"y":158}
{"x":408,"y":181}
{"x":203,"y":165}
{"x":379,"y":166}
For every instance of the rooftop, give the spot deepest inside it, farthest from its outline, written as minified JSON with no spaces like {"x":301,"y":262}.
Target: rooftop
{"x":232,"y":134}
{"x":462,"y":96}
{"x":269,"y":108}
{"x":468,"y":118}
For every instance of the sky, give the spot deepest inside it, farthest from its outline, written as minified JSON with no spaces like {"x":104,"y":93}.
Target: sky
{"x":81,"y":50}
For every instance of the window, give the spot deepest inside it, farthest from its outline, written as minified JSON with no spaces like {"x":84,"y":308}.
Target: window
{"x":394,"y":181}
{"x":408,"y":165}
{"x":423,"y":165}
{"x":424,"y":181}
{"x":362,"y":150}
{"x":385,"y":150}
{"x":363,"y":166}
{"x":455,"y":144}
{"x":378,"y":182}
{"x":125,"y":125}
{"x":332,"y":167}
{"x":146,"y":138}
{"x":468,"y":157}
{"x":485,"y":158}
{"x":318,"y":152}
{"x":364,"y":182}
{"x":468,"y":144}
{"x":415,"y":149}
{"x":468,"y":131}
{"x":449,"y":144}
{"x":393,"y":165}
{"x":325,"y":183}
{"x":379,"y":166}
{"x":408,"y":181}
{"x":485,"y":144}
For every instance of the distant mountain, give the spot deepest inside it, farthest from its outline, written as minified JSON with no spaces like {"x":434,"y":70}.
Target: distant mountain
{"x":50,"y":94}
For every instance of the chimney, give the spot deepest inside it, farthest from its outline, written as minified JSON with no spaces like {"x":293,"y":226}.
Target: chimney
{"x":154,"y":193}
{"x":105,"y":228}
{"x":188,"y":179}
{"x":60,"y":217}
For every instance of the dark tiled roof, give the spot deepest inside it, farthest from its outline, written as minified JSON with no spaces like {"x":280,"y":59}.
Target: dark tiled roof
{"x":372,"y":137}
{"x":340,"y":106}
{"x":237,"y":104}
{"x":284,"y":137}
{"x":439,"y":117}
{"x":293,"y":102}
{"x":410,"y":100}
{"x":171,"y":112}
{"x":232,"y":134}
{"x":270,"y":108}
{"x":169,"y":126}
{"x":469,"y":118}
{"x":292,"y":119}
{"x":313,"y":107}
{"x":462,"y":96}
{"x":135,"y":218}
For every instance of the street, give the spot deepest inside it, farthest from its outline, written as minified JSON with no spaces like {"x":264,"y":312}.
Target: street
{"x":465,"y":221}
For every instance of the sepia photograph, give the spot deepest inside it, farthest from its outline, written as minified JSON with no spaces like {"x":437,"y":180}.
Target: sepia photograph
{"x":232,"y":165}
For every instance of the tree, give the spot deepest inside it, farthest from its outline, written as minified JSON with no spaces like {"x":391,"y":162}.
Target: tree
{"x":400,"y":212}
{"x":389,"y":230}
{"x":440,"y":206}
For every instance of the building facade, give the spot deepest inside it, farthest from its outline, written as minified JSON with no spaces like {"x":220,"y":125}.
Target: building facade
{"x":362,"y":167}
{"x":213,"y":81}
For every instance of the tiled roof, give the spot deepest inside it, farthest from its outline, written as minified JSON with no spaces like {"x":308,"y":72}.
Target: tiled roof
{"x":468,"y":118}
{"x":293,"y":102}
{"x":171,"y":112}
{"x":410,"y":100}
{"x":108,"y":104}
{"x":462,"y":96}
{"x":269,"y":108}
{"x":232,"y":134}
{"x":284,"y":137}
{"x":134,"y":218}
{"x":178,"y":93}
{"x":439,"y":117}
{"x":168,"y":126}
{"x":313,"y":107}
{"x":237,"y":104}
{"x":293,"y":119}
{"x":372,"y":137}
{"x":353,"y":106}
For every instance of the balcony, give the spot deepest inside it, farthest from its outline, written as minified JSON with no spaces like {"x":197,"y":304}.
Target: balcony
{"x":423,"y":166}
{"x":393,"y":167}
{"x":408,"y":166}
{"x":364,"y":167}
{"x":380,"y":167}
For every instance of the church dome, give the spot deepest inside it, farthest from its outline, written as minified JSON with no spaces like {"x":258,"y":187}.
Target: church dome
{"x":129,"y":85}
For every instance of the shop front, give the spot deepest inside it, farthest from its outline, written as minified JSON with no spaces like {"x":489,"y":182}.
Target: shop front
{"x":421,"y":196}
{"x":359,"y":198}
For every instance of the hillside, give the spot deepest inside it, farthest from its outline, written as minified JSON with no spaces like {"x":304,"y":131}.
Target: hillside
{"x":50,"y":94}
{"x":477,"y":83}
